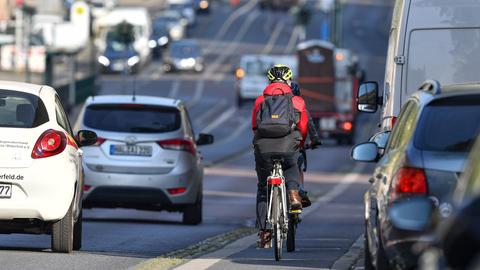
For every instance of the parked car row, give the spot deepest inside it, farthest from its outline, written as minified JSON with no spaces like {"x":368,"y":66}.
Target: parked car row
{"x":130,"y":151}
{"x":420,"y":209}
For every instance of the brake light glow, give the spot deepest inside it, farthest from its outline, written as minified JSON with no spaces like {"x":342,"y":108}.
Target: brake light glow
{"x":347,"y":126}
{"x":50,"y":143}
{"x":275,"y":181}
{"x":179,"y":144}
{"x":409,"y":181}
{"x":100,"y":141}
{"x":175,"y":191}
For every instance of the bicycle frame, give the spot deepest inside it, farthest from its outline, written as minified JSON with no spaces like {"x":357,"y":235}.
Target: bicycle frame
{"x":277,"y":181}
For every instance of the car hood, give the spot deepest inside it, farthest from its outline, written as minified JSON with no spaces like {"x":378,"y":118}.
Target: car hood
{"x":113,"y":55}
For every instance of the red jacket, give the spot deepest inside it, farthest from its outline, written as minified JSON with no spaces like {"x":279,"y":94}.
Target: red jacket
{"x":298,"y":103}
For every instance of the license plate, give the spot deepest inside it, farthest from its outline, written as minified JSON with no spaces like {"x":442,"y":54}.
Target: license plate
{"x":5,"y":191}
{"x":118,"y":66}
{"x":328,"y":123}
{"x":131,"y":150}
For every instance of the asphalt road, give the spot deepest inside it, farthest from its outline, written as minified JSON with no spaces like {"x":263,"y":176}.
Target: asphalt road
{"x":121,"y":239}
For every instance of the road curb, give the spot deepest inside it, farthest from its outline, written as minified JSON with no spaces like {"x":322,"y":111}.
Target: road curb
{"x":207,"y":246}
{"x":349,"y":259}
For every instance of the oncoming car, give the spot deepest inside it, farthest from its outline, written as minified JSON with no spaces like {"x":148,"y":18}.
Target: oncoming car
{"x":145,"y":157}
{"x":41,"y":178}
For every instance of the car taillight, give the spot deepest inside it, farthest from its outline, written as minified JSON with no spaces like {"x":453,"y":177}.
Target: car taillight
{"x":409,"y":181}
{"x":178,"y":144}
{"x":175,"y":191}
{"x":100,"y":141}
{"x":347,"y":126}
{"x":50,"y":143}
{"x":86,"y":187}
{"x":393,"y":121}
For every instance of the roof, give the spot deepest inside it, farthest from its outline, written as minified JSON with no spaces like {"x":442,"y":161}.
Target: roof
{"x":122,"y":99}
{"x":20,"y":86}
{"x":446,"y":91}
{"x":133,"y":15}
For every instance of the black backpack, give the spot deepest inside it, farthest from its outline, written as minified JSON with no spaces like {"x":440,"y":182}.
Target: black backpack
{"x":276,"y":117}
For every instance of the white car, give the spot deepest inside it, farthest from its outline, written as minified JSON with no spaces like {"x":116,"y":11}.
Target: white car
{"x":41,"y":178}
{"x":146,"y":156}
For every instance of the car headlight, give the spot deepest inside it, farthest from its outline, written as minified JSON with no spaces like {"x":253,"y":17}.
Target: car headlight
{"x":132,"y":61}
{"x":162,"y":41}
{"x":152,"y":44}
{"x":203,"y":4}
{"x":103,"y":60}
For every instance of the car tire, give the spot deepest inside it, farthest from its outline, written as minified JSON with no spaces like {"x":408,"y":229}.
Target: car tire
{"x":62,"y":233}
{"x":192,"y":214}
{"x":77,"y":232}
{"x":368,"y":265}
{"x":381,"y":257}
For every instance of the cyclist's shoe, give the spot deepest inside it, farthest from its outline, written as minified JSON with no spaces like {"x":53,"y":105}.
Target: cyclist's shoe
{"x":264,"y":239}
{"x":295,"y":200}
{"x":305,"y":199}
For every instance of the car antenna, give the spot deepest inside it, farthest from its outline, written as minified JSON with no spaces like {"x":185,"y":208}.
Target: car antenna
{"x":134,"y":87}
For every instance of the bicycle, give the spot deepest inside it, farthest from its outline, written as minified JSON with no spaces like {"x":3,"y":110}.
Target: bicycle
{"x":282,"y":223}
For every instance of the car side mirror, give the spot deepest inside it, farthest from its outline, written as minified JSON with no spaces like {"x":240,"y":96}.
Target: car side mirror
{"x":86,"y":138}
{"x":365,"y":152}
{"x":381,"y":139}
{"x":367,"y":98}
{"x":412,"y":214}
{"x":204,"y":139}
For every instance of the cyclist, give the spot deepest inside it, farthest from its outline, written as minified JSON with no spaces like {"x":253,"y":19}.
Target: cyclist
{"x":274,"y":110}
{"x":302,"y":158}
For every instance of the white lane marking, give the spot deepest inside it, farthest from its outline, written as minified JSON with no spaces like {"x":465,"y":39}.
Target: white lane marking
{"x":234,"y":44}
{"x":233,"y":17}
{"x":273,"y":37}
{"x":200,"y":86}
{"x":212,"y":111}
{"x":206,"y":261}
{"x":229,"y":194}
{"x":293,"y":40}
{"x":217,"y":122}
{"x":237,"y":132}
{"x":174,"y":90}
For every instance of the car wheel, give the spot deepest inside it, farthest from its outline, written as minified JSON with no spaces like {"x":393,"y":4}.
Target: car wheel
{"x":77,"y":232}
{"x":367,"y":257}
{"x":62,"y":233}
{"x":381,"y":257}
{"x":192,"y":214}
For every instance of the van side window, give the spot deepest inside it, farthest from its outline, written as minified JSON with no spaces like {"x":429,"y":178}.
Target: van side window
{"x":404,"y":127}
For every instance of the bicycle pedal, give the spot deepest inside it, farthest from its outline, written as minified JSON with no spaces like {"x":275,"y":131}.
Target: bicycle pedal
{"x":298,"y":211}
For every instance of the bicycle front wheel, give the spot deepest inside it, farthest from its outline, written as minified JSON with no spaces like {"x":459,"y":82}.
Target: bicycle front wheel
{"x":277,"y":225}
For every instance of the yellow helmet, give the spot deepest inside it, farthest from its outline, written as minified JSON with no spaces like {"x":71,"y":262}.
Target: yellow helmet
{"x":279,"y":72}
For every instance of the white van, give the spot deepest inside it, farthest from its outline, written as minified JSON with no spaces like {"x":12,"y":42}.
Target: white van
{"x":429,"y":40}
{"x":138,"y":17}
{"x":252,"y":73}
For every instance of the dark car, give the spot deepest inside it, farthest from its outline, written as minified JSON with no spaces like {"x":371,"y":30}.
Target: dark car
{"x":183,"y":55}
{"x":160,"y":37}
{"x":425,"y":154}
{"x":119,"y":58}
{"x":456,"y":242}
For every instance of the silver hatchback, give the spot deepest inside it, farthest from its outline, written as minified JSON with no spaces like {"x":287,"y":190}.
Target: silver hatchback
{"x":145,"y":157}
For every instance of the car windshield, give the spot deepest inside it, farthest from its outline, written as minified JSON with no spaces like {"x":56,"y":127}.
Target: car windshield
{"x":132,"y":118}
{"x":21,"y":110}
{"x":450,"y":125}
{"x":257,"y":67}
{"x":185,"y":50}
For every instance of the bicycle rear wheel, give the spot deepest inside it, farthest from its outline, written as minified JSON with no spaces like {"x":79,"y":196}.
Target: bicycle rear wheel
{"x":292,"y":230}
{"x":277,"y":227}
